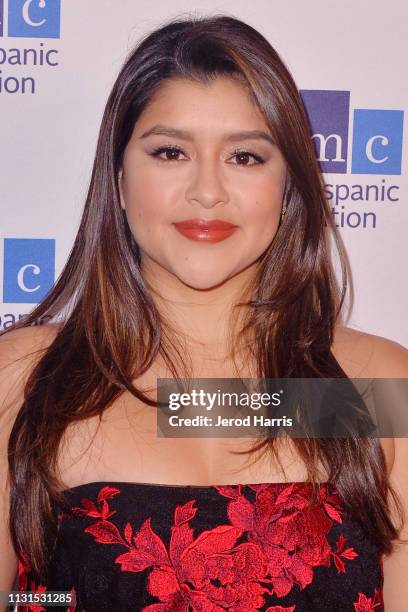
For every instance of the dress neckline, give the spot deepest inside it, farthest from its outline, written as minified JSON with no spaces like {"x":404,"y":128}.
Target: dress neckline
{"x":122,"y":483}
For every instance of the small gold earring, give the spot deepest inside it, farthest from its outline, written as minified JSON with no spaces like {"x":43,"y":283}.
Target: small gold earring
{"x":283,"y":212}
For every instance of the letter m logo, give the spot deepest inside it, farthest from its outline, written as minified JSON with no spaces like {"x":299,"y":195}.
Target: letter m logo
{"x":328,"y":113}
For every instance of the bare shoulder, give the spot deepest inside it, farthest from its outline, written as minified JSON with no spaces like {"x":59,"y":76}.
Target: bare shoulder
{"x":19,"y":351}
{"x":365,"y":355}
{"x":27,"y":339}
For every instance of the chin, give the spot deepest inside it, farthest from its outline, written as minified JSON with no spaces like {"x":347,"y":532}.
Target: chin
{"x":202,"y":282}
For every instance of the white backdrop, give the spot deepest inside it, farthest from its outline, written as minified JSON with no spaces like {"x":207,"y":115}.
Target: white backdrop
{"x":50,"y":117}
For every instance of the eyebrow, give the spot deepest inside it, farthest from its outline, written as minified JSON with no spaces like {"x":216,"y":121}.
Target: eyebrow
{"x":231,"y":137}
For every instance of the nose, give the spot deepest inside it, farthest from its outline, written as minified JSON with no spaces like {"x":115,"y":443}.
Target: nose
{"x":206,"y":186}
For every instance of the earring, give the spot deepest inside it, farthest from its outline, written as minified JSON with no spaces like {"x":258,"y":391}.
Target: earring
{"x":283,"y":211}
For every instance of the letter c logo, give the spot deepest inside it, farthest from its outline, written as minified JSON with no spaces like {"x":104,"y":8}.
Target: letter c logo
{"x":26,"y":15}
{"x":369,"y":149}
{"x":20,"y":277}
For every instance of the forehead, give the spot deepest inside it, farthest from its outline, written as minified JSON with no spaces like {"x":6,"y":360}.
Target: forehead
{"x":222,"y":103}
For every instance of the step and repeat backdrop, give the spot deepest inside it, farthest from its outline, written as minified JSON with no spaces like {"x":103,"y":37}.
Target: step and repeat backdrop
{"x":59,"y":59}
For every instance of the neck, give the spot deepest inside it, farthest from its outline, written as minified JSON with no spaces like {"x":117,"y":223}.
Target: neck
{"x":205,"y":320}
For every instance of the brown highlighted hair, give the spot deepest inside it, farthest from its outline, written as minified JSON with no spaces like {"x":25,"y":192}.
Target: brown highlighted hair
{"x":103,"y":301}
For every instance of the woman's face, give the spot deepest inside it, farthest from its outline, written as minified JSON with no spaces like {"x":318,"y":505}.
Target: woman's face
{"x":188,"y":159}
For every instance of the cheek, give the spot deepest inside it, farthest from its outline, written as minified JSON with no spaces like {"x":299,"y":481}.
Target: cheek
{"x":145,"y":207}
{"x":260,"y":216}
{"x":262,"y":212}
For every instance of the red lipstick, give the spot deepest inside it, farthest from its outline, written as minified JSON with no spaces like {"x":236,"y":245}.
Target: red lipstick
{"x":206,"y":230}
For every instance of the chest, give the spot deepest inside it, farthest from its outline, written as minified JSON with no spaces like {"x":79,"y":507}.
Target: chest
{"x":124,"y":446}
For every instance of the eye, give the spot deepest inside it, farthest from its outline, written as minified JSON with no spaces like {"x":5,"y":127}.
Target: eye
{"x":171,"y":153}
{"x":243,"y":156}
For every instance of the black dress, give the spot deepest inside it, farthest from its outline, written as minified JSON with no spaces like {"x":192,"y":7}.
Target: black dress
{"x":125,"y":547}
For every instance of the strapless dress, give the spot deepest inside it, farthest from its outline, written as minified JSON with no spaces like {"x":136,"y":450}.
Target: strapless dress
{"x":127,"y":547}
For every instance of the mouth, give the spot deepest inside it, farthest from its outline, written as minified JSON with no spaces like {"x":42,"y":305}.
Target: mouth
{"x":205,"y":230}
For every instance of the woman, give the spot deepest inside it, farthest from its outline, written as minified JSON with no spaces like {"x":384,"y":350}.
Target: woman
{"x":204,"y":124}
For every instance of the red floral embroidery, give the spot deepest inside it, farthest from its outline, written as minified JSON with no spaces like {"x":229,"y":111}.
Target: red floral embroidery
{"x":209,"y":573}
{"x":367,"y":604}
{"x":291,"y":533}
{"x":341,"y":551}
{"x":23,"y":585}
{"x":102,"y":510}
{"x":286,"y":538}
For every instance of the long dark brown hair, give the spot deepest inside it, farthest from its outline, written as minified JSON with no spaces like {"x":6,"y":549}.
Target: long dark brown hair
{"x":111,"y":330}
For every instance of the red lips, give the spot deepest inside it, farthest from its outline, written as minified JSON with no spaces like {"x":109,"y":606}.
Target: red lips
{"x":206,"y":230}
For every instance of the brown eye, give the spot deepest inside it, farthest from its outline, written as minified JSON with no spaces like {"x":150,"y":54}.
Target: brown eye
{"x":243,"y":157}
{"x":170,"y":153}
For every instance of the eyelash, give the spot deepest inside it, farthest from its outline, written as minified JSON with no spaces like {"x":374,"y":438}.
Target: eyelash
{"x":156,"y":152}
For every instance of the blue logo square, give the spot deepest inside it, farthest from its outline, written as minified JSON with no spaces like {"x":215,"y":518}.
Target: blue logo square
{"x":328,"y":114}
{"x":34,"y":18}
{"x":29,"y":269}
{"x":377,"y":141}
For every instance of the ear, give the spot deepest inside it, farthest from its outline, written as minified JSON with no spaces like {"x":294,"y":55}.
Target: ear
{"x":122,"y":199}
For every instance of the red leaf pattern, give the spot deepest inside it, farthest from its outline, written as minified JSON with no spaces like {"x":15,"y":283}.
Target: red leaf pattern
{"x":368,"y":604}
{"x":270,"y":545}
{"x":341,"y":551}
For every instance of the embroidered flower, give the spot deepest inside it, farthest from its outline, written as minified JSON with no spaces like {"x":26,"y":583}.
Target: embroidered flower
{"x":209,"y":572}
{"x":270,"y":540}
{"x":290,"y":531}
{"x":368,"y":604}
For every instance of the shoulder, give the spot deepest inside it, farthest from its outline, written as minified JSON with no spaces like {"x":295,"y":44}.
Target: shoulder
{"x":19,"y":351}
{"x":366,"y":355}
{"x":23,"y":341}
{"x":28,"y":338}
